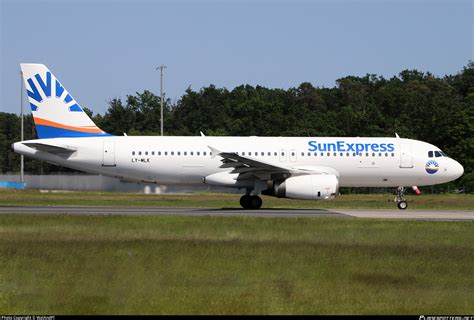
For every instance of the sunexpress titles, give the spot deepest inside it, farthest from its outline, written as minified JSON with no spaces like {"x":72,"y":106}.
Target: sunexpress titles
{"x":342,"y":146}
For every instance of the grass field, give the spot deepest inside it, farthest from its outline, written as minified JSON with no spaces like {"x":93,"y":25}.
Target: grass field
{"x":234,"y":265}
{"x":218,"y":200}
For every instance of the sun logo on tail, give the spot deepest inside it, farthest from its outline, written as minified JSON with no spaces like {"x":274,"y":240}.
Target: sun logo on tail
{"x":45,"y":90}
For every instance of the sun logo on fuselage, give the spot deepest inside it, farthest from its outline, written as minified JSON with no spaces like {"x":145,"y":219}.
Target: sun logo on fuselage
{"x":45,"y":89}
{"x":431,"y":167}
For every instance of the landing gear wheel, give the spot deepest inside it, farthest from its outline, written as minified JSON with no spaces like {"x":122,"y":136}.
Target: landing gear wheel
{"x":400,"y":198}
{"x":250,"y":202}
{"x":402,"y":205}
{"x":245,"y":201}
{"x":255,"y":202}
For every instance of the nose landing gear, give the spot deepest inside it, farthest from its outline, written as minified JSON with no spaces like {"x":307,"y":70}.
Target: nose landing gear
{"x":250,"y":202}
{"x":400,"y":198}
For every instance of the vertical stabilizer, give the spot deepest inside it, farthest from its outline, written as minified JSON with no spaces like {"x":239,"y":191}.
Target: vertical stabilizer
{"x":55,"y":112}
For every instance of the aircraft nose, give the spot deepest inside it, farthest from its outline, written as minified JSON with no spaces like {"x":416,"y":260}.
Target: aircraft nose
{"x":457,"y":169}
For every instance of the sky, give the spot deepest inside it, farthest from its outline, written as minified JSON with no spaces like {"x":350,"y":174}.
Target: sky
{"x":107,"y":49}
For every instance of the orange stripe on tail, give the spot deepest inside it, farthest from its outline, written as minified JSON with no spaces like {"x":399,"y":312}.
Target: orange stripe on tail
{"x":88,"y":129}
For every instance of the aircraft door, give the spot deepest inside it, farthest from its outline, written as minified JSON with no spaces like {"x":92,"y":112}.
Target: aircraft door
{"x":108,"y":154}
{"x":406,"y":155}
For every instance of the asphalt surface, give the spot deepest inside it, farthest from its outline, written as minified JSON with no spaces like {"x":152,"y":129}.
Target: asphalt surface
{"x":270,"y":213}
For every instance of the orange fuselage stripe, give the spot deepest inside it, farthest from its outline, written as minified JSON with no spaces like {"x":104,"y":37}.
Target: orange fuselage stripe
{"x":44,"y":122}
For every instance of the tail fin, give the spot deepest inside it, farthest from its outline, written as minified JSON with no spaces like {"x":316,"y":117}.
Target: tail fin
{"x":55,"y":112}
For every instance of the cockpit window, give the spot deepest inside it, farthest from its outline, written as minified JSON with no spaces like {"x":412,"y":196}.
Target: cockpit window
{"x":436,"y":153}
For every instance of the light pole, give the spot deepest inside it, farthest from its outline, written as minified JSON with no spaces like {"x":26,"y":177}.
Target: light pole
{"x":161,"y":93}
{"x":22,"y":178}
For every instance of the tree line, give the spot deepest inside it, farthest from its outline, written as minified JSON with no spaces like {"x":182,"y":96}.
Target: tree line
{"x":414,"y":104}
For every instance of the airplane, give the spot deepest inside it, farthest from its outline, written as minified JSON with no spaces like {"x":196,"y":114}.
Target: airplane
{"x":286,"y":167}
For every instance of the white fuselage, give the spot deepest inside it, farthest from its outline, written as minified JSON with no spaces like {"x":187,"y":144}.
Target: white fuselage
{"x":383,"y":162}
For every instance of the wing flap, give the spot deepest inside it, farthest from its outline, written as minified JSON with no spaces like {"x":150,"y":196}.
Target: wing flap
{"x":251,"y":168}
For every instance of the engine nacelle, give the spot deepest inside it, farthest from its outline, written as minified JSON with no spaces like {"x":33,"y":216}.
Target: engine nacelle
{"x":226,"y":179}
{"x":308,"y":187}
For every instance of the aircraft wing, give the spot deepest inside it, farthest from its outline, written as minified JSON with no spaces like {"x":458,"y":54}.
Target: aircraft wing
{"x":250,"y":168}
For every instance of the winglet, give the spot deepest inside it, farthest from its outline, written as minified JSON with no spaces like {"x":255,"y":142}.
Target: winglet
{"x":202,"y":134}
{"x":214,"y":151}
{"x":397,"y":136}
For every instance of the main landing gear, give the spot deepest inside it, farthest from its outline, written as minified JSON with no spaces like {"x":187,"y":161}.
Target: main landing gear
{"x":400,"y":198}
{"x":250,"y":202}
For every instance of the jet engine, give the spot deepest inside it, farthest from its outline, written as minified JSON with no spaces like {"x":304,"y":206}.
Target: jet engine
{"x":306,"y":187}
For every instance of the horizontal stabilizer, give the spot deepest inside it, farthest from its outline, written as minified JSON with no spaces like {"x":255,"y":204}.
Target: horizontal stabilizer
{"x":50,"y":148}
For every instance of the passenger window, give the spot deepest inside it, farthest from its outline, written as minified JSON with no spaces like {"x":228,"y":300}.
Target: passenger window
{"x":275,"y":154}
{"x":172,"y":153}
{"x":347,"y":154}
{"x":393,"y":154}
{"x":153,"y":153}
{"x":283,"y":154}
{"x":322,"y":154}
{"x":159,"y":153}
{"x":354,"y":154}
{"x":197,"y":153}
{"x":166,"y":153}
{"x":243,"y":153}
{"x":204,"y":153}
{"x":366,"y":154}
{"x":334,"y":154}
{"x":329,"y":154}
{"x":380,"y":154}
{"x":256,"y":153}
{"x":430,"y":154}
{"x":373,"y":154}
{"x":185,"y":153}
{"x":386,"y":154}
{"x":191,"y":153}
{"x":262,"y":153}
{"x":139,"y":153}
{"x":302,"y":154}
{"x":292,"y":154}
{"x":133,"y":153}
